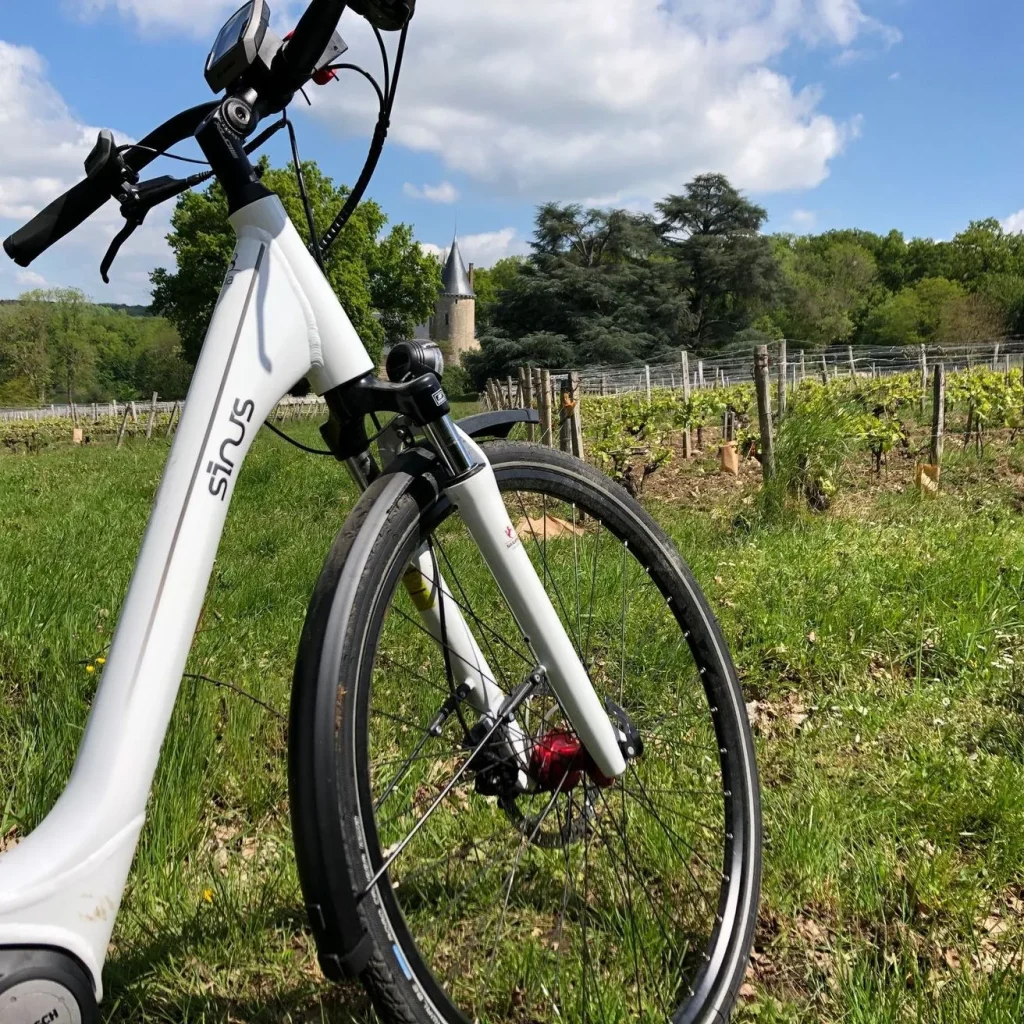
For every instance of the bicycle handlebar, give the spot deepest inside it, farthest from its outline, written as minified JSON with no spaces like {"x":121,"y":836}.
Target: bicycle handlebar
{"x":81,"y":201}
{"x":297,"y":60}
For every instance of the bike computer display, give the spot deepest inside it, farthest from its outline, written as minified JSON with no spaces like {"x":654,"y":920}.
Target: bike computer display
{"x":237,"y":44}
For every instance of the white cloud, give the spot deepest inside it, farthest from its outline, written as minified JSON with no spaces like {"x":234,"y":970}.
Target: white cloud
{"x":445,"y":192}
{"x":803,"y":220}
{"x":895,"y":76}
{"x":29,"y":279}
{"x":1014,"y":224}
{"x":622,"y":98}
{"x":42,"y":150}
{"x":594,"y":97}
{"x":484,"y":249}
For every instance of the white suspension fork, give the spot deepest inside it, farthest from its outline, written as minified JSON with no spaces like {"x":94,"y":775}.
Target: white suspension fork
{"x":482,"y":508}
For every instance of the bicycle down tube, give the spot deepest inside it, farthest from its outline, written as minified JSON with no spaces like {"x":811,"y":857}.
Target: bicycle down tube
{"x":276,"y":321}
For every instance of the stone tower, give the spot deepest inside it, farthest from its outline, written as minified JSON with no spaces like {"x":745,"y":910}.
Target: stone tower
{"x":453,"y":326}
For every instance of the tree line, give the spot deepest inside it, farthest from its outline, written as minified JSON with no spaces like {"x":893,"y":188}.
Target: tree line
{"x":614,"y":286}
{"x":56,"y":346}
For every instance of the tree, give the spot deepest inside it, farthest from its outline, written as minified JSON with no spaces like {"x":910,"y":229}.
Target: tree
{"x":404,"y":284}
{"x":24,"y":359}
{"x":727,"y":268}
{"x":826,"y":290}
{"x":203,"y":242}
{"x":71,"y":357}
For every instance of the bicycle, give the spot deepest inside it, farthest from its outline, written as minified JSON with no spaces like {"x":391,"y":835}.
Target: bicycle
{"x":522,"y":780}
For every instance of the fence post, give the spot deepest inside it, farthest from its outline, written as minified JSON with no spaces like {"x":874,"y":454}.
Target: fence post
{"x":924,"y":375}
{"x":995,"y":359}
{"x":545,"y":408}
{"x":647,"y":383}
{"x":764,"y":412}
{"x":853,"y":362}
{"x":938,"y":414}
{"x":604,"y":385}
{"x":526,"y":376}
{"x":700,"y":373}
{"x":124,"y":425}
{"x":170,"y":423}
{"x":511,"y":394}
{"x":824,"y":369}
{"x":576,"y":385}
{"x":687,"y":434}
{"x":152,"y":417}
{"x":782,"y":379}
{"x":95,"y":413}
{"x":803,"y":366}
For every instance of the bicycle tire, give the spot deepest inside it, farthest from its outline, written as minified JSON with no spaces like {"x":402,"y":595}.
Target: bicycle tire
{"x":366,"y":932}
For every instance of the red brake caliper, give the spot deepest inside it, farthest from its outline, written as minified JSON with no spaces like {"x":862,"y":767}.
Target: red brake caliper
{"x":560,"y":755}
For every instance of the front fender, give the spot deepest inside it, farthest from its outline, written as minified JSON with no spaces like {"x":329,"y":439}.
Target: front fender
{"x":496,"y":424}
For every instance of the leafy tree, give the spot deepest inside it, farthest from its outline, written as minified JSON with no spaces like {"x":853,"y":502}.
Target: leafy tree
{"x":24,"y":359}
{"x":404,"y":284}
{"x":361,"y":270}
{"x":727,"y":268}
{"x":826,"y":290}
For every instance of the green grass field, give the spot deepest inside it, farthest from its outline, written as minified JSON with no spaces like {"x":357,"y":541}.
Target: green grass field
{"x":880,"y":647}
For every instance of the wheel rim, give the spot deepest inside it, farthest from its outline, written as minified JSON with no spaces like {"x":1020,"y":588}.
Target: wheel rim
{"x":586,"y":903}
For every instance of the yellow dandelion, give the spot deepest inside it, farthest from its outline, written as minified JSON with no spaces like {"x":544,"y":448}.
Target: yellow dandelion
{"x":208,"y":895}
{"x":90,"y":668}
{"x":101,"y":661}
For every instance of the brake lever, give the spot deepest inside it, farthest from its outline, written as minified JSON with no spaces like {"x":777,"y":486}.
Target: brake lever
{"x":115,"y":247}
{"x":137,"y":201}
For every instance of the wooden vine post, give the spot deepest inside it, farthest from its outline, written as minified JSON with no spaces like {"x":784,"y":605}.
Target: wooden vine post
{"x":924,"y":375}
{"x":545,"y":408}
{"x":852,"y":361}
{"x":570,"y":432}
{"x":124,"y":425}
{"x":687,"y":434}
{"x":928,"y":476}
{"x":764,"y":411}
{"x":647,"y":379}
{"x":803,"y":366}
{"x":152,"y":417}
{"x":526,"y":376}
{"x":782,"y":378}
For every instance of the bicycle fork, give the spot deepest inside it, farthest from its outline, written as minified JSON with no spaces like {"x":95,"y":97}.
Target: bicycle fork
{"x":476,"y":495}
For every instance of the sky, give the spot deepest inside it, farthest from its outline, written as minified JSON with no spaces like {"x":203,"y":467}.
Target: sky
{"x":829,"y":113}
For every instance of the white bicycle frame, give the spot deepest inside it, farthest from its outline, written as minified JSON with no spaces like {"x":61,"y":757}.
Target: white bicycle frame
{"x":277,"y":321}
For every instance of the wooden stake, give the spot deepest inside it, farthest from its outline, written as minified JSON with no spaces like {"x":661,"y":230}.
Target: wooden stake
{"x":647,"y":377}
{"x":152,"y":417}
{"x":938,"y":414}
{"x":527,"y":378}
{"x":853,"y":362}
{"x":124,"y":426}
{"x":170,"y":422}
{"x":700,"y":373}
{"x":782,"y":379}
{"x":687,"y":433}
{"x":764,"y":411}
{"x":545,"y":408}
{"x":803,"y":366}
{"x":511,"y":394}
{"x":576,"y":388}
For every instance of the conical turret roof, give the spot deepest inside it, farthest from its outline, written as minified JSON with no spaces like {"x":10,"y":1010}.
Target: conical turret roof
{"x":455,"y":278}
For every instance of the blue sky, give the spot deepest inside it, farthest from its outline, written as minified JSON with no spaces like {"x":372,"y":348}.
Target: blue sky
{"x":831,"y":113}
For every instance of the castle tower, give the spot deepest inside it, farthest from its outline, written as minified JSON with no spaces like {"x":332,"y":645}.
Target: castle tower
{"x":454,"y":324}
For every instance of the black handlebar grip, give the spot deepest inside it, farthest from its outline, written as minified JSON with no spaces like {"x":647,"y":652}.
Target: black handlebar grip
{"x":79,"y":203}
{"x":310,"y":39}
{"x":63,"y":215}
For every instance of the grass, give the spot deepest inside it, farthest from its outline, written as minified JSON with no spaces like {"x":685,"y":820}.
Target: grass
{"x":880,"y":648}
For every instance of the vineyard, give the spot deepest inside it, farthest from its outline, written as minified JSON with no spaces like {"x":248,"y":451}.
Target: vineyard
{"x":878,"y":637}
{"x":827,"y":428}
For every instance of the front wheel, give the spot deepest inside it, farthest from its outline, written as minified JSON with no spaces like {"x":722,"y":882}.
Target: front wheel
{"x":545,"y":895}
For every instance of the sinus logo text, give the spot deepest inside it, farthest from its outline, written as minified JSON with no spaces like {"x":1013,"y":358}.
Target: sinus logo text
{"x":220,"y":471}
